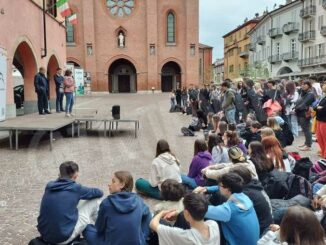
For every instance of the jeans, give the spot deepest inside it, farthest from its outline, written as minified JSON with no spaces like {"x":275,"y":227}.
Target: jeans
{"x":42,"y":101}
{"x":315,"y":188}
{"x":144,"y":187}
{"x":69,"y":101}
{"x":59,"y":101}
{"x":230,"y":116}
{"x":305,"y":124}
{"x":293,"y":123}
{"x":188,"y":181}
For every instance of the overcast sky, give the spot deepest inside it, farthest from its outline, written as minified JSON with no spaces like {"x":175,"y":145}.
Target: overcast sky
{"x":218,"y":17}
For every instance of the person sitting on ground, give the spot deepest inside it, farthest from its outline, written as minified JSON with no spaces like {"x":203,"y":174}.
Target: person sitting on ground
{"x":251,"y":133}
{"x":237,"y":215}
{"x":238,"y":159}
{"x":232,"y":127}
{"x":164,"y":166}
{"x":123,"y":217}
{"x":217,"y":149}
{"x":299,"y":226}
{"x":273,"y":124}
{"x":201,"y":160}
{"x":231,"y":138}
{"x":201,"y":232}
{"x":198,"y":122}
{"x":281,"y":160}
{"x":60,"y":220}
{"x":266,"y":131}
{"x":172,"y":193}
{"x":222,"y":128}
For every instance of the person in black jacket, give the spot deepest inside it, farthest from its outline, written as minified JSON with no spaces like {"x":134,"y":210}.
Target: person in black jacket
{"x":58,"y":79}
{"x":255,"y":191}
{"x":301,"y":109}
{"x":251,"y":133}
{"x":321,"y":122}
{"x":42,"y":89}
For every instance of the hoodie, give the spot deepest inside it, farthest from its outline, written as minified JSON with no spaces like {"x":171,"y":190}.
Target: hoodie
{"x":238,"y":220}
{"x":262,"y":204}
{"x":164,"y":167}
{"x":58,"y":212}
{"x":199,"y":162}
{"x":123,"y":219}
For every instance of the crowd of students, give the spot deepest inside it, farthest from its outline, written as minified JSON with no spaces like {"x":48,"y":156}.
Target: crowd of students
{"x":242,"y":187}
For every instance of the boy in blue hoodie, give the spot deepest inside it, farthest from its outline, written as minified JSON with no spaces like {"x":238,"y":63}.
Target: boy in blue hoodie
{"x":238,"y":218}
{"x":123,"y":218}
{"x":60,"y":220}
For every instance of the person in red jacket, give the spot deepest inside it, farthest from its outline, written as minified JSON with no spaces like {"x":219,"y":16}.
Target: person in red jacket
{"x":321,"y":121}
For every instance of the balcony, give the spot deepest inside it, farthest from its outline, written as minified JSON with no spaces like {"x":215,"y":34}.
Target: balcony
{"x":324,"y":4}
{"x":252,"y":47}
{"x":312,"y":61}
{"x":308,"y":11}
{"x":307,"y":36}
{"x":261,"y":40}
{"x":323,"y":30}
{"x":291,"y":27}
{"x":290,"y":56}
{"x":244,"y":54}
{"x":275,"y":33}
{"x":275,"y":59}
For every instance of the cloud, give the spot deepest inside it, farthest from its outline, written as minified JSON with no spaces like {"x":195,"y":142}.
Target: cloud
{"x":218,"y":17}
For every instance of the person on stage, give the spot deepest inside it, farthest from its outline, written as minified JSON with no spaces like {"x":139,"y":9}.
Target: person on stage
{"x":42,"y":88}
{"x":58,"y":79}
{"x":69,"y":89}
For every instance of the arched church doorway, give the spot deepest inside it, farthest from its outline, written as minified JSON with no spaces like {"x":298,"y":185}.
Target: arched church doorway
{"x":122,"y":77}
{"x":284,"y":70}
{"x":170,"y":77}
{"x":24,"y":68}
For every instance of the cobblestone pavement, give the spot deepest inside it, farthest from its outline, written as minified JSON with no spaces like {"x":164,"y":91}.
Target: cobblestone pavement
{"x":24,"y":173}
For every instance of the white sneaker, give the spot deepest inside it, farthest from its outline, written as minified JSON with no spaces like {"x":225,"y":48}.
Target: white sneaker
{"x":68,"y":115}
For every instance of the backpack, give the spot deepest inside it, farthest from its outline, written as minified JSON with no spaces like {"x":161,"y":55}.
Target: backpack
{"x":298,"y":186}
{"x":302,"y":167}
{"x":187,"y":132}
{"x":238,"y":101}
{"x":318,"y":172}
{"x":287,"y":133}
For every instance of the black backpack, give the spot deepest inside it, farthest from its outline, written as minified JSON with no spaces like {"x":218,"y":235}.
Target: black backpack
{"x":187,"y":132}
{"x":302,"y":167}
{"x":298,"y":186}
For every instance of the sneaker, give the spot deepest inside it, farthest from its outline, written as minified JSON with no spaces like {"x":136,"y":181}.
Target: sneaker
{"x":47,"y":112}
{"x":68,"y":115}
{"x":72,"y":115}
{"x":302,"y":146}
{"x":306,"y":148}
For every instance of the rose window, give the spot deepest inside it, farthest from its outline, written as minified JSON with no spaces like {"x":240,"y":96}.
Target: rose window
{"x":120,"y":8}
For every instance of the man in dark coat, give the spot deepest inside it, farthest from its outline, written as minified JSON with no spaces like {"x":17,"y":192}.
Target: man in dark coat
{"x":41,"y":88}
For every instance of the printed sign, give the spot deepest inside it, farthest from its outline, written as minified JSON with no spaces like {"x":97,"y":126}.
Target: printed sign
{"x":79,"y":80}
{"x":3,"y":83}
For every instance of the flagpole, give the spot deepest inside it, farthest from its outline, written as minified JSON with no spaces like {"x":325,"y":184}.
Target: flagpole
{"x":44,"y":30}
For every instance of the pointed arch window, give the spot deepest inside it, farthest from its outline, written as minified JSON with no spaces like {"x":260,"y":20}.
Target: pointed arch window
{"x":171,"y":27}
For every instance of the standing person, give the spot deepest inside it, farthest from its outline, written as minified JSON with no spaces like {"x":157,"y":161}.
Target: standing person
{"x":164,"y":166}
{"x":321,"y":122}
{"x":59,"y":79}
{"x":301,"y":108}
{"x":184,"y":98}
{"x":193,"y":98}
{"x":69,"y":89}
{"x":41,"y":88}
{"x":178,"y":94}
{"x":123,"y":218}
{"x":291,"y":98}
{"x":60,"y":219}
{"x":228,"y":102}
{"x":215,"y":102}
{"x":204,"y":99}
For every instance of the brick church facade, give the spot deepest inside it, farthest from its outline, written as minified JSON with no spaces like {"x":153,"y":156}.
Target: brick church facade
{"x":136,"y":45}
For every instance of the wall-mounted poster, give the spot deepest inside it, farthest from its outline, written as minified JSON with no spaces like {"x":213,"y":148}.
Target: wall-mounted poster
{"x":3,"y":83}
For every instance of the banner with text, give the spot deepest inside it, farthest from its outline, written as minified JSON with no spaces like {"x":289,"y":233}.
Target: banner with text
{"x":79,"y":80}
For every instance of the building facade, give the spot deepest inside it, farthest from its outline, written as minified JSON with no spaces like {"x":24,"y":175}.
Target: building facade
{"x":205,"y":64}
{"x":134,"y":46}
{"x":313,"y":37}
{"x":236,"y":50}
{"x":22,"y":39}
{"x":218,"y":71}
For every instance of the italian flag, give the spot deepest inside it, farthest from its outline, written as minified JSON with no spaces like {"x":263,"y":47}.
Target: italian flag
{"x":63,"y":8}
{"x":73,"y":19}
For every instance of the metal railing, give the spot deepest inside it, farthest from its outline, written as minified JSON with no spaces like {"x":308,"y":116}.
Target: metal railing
{"x":275,"y":32}
{"x":308,"y":11}
{"x":290,"y":27}
{"x":275,"y":59}
{"x":290,"y":56}
{"x":323,"y":30}
{"x":307,"y":36}
{"x":244,"y":54}
{"x":252,"y":47}
{"x":261,"y":40}
{"x":313,"y":61}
